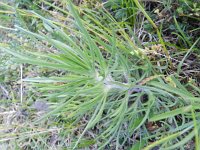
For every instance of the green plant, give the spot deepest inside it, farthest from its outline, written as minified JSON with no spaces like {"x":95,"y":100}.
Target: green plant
{"x":188,"y":11}
{"x":27,"y":4}
{"x":108,"y":86}
{"x":124,"y":11}
{"x":189,"y":8}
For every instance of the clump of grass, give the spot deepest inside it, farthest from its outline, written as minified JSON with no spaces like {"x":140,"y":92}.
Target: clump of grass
{"x":107,"y":93}
{"x":124,"y":11}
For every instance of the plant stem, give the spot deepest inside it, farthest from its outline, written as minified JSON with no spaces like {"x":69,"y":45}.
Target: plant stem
{"x":157,"y":30}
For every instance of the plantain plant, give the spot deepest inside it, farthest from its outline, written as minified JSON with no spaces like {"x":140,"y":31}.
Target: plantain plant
{"x":107,"y":85}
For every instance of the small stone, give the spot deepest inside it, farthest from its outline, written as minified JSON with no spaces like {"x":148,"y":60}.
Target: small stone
{"x":41,"y":105}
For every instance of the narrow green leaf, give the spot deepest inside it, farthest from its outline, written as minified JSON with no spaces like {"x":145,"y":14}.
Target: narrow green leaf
{"x":171,"y":113}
